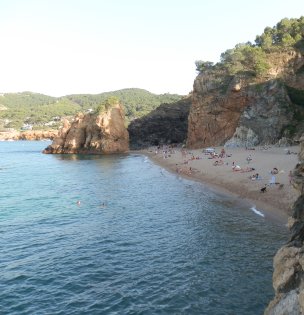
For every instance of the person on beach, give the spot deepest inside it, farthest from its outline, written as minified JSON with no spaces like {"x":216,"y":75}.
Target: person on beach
{"x":247,"y":169}
{"x":223,"y":152}
{"x":272,"y":180}
{"x":290,"y":177}
{"x":236,"y":168}
{"x":274,"y":171}
{"x":218,"y":162}
{"x":255,"y":177}
{"x":249,"y":158}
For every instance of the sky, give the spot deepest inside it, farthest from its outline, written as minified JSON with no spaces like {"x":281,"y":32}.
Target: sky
{"x":61,"y":47}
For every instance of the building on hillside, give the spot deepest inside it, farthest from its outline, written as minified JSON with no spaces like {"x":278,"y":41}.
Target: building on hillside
{"x":27,"y":127}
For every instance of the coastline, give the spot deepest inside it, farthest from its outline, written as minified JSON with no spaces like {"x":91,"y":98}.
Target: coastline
{"x":275,"y":203}
{"x":31,"y":135}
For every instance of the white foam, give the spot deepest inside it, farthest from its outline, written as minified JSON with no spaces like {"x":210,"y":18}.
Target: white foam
{"x":257,"y":211}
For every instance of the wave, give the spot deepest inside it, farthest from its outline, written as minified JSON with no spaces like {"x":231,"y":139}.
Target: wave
{"x":253,"y":208}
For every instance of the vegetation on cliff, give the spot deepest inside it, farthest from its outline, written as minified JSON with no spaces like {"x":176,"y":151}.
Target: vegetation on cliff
{"x":254,"y":95}
{"x":251,"y":58}
{"x":107,"y":104}
{"x":42,"y":111}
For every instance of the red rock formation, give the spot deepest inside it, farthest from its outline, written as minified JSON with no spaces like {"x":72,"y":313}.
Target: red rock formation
{"x":93,"y":134}
{"x":244,"y":110}
{"x":214,"y":117}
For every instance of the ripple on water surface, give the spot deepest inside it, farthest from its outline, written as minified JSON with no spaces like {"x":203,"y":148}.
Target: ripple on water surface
{"x":142,"y":241}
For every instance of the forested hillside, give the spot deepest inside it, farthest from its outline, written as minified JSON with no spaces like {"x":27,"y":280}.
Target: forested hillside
{"x":252,"y":58}
{"x":42,"y":111}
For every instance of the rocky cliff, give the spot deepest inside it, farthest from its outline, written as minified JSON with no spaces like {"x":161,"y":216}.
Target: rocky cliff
{"x":243,"y":110}
{"x":102,"y":133}
{"x":288,"y":276}
{"x":166,"y":124}
{"x":29,"y":135}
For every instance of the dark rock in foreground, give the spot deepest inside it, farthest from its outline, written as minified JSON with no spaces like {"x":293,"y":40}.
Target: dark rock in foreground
{"x":288,"y":263}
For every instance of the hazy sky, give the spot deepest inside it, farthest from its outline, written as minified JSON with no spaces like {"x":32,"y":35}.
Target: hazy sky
{"x":60,"y":47}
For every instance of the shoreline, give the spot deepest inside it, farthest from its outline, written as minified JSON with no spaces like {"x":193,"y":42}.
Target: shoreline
{"x":29,"y":135}
{"x":275,"y":203}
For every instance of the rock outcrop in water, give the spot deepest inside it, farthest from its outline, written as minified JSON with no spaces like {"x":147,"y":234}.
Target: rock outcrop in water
{"x":102,"y":133}
{"x":288,"y":276}
{"x":243,"y":110}
{"x":167,"y":124}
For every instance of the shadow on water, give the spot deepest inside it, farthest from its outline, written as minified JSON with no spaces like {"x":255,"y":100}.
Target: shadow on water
{"x":79,"y":157}
{"x":109,"y":162}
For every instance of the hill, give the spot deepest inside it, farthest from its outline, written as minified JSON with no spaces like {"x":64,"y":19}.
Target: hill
{"x":40,"y":111}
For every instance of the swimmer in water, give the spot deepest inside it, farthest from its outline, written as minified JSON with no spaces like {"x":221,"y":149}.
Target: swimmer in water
{"x":78,"y":203}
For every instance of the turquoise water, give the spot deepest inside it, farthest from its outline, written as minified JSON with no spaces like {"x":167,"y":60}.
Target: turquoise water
{"x":142,"y":240}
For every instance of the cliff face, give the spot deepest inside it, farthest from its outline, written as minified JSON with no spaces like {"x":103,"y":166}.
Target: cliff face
{"x":167,"y":124}
{"x":29,"y":135}
{"x":217,"y":105}
{"x":93,"y":134}
{"x":242,"y":110}
{"x":288,"y":276}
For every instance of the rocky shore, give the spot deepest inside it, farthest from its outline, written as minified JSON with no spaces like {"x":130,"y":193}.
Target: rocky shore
{"x":29,"y":135}
{"x":288,"y":276}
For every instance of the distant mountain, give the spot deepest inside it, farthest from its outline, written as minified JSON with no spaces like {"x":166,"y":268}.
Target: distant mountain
{"x":38,"y":111}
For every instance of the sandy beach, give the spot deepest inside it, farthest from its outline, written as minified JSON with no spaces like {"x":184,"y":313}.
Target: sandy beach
{"x":235,"y":172}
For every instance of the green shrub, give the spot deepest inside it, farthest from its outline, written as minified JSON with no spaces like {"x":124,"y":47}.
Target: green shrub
{"x":107,"y":104}
{"x":202,"y":66}
{"x":245,"y":58}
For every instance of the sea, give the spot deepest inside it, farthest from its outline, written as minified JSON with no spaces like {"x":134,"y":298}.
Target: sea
{"x":117,"y":234}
